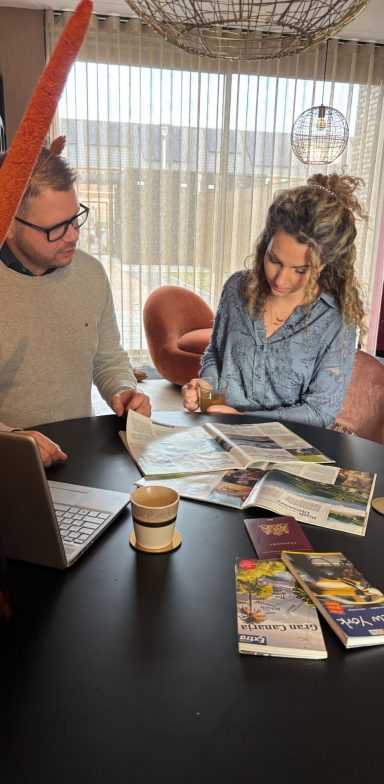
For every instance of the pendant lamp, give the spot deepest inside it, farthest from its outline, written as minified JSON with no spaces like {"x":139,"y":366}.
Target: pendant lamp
{"x":246,"y":29}
{"x":320,"y":134}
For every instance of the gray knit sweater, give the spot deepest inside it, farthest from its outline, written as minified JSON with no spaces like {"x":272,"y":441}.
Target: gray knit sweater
{"x":58,"y":333}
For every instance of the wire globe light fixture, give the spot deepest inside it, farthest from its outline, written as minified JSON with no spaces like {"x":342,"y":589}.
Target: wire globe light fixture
{"x":247,"y":29}
{"x":320,"y":134}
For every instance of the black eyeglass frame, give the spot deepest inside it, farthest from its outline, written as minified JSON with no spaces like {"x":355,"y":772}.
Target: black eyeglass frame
{"x":66,"y":224}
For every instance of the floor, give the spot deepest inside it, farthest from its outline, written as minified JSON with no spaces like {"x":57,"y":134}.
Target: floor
{"x":164,"y":397}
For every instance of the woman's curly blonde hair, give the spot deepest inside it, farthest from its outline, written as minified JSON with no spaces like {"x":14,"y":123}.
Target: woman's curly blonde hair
{"x":321,"y":215}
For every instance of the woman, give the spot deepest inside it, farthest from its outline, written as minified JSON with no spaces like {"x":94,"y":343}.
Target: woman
{"x":284,"y":336}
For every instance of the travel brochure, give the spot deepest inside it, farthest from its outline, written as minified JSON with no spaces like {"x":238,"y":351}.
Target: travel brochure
{"x":159,"y":450}
{"x":275,"y":617}
{"x":352,"y":606}
{"x":324,"y":495}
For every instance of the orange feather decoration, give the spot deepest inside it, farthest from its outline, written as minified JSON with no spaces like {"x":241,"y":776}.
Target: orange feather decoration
{"x":30,"y":135}
{"x":58,"y":144}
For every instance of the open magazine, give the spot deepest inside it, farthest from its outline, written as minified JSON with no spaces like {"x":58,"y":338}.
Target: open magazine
{"x":323,"y":495}
{"x":160,"y":450}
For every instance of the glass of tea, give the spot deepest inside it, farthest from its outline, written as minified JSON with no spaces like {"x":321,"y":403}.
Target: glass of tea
{"x":211,"y":394}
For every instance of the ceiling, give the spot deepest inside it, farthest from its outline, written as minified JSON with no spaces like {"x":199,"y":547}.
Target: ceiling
{"x":368,"y":26}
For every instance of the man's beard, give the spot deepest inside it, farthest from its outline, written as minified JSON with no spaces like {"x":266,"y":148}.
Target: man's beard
{"x":37,"y":259}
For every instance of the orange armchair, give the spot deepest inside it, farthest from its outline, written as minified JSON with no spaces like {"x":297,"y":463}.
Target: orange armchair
{"x":178,"y":327}
{"x":363,"y":407}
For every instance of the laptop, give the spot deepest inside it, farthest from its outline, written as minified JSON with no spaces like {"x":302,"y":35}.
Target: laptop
{"x":45,"y":522}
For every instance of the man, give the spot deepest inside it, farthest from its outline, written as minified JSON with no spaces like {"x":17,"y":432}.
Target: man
{"x":58,"y":329}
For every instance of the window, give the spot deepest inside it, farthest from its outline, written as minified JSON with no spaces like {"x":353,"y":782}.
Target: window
{"x":181,"y":164}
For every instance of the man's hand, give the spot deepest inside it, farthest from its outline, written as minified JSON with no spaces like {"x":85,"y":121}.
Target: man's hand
{"x":49,"y":451}
{"x":131,"y":399}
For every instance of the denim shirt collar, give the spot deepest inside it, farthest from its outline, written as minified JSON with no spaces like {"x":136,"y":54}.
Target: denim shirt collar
{"x":257,"y":326}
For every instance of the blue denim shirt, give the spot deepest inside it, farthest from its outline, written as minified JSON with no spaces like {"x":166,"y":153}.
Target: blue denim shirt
{"x":300,"y":373}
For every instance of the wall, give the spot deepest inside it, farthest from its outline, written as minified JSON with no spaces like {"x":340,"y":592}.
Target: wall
{"x":22,"y":58}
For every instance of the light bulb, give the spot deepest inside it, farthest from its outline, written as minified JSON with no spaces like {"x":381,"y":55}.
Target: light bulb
{"x":321,"y":121}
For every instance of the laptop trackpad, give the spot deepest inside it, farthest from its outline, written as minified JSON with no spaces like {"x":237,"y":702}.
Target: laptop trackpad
{"x":88,"y":497}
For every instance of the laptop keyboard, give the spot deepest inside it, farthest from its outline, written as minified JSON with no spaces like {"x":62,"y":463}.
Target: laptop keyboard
{"x":77,"y":525}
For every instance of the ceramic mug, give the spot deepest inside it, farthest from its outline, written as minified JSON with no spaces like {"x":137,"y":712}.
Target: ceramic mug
{"x":154,"y":511}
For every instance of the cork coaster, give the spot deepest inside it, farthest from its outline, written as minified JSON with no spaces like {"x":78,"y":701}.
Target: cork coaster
{"x":378,"y":504}
{"x":176,"y":542}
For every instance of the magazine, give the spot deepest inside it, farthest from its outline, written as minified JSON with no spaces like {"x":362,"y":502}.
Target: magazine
{"x":159,"y":450}
{"x":275,"y":617}
{"x":352,"y":606}
{"x":328,"y":496}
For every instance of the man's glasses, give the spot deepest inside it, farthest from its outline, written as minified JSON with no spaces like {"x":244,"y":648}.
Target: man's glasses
{"x":58,"y":231}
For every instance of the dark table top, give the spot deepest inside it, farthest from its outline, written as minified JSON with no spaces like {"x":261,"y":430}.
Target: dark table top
{"x":125,"y":668}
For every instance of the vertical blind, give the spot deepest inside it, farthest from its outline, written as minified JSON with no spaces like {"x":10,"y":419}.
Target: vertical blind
{"x":179,"y":156}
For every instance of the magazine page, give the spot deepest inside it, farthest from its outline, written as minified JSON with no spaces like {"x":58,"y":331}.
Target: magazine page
{"x":326,"y":474}
{"x":342,"y":504}
{"x":235,"y":487}
{"x":229,"y":488}
{"x":269,"y":442}
{"x":159,"y":450}
{"x":142,"y":430}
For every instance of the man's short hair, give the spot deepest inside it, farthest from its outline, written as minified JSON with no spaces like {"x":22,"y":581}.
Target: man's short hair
{"x":50,"y":172}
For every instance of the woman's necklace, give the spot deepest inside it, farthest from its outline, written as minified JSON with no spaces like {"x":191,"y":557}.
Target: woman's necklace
{"x":275,"y":319}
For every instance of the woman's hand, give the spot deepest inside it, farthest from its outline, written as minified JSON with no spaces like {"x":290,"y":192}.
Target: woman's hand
{"x":190,"y":393}
{"x":191,"y":402}
{"x":223,"y":410}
